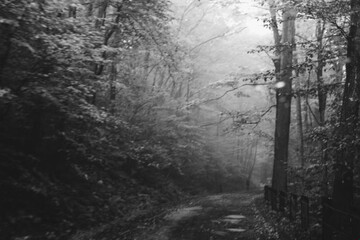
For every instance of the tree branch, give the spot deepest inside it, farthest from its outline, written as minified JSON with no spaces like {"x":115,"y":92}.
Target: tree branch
{"x":233,"y":89}
{"x":216,"y":123}
{"x":213,"y":38}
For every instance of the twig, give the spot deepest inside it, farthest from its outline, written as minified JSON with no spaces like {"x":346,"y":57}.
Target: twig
{"x":307,"y":100}
{"x":187,"y":9}
{"x":213,"y":38}
{"x":233,"y":89}
{"x":216,"y":123}
{"x":123,"y":233}
{"x":312,"y":113}
{"x":262,"y":115}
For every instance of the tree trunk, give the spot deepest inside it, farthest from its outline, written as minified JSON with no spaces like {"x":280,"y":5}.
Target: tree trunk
{"x":99,"y":68}
{"x":99,"y":22}
{"x":343,"y":182}
{"x":277,"y":39}
{"x":72,"y":11}
{"x":112,"y":88}
{"x":238,"y":148}
{"x":7,"y":33}
{"x":101,"y":13}
{"x":188,"y":86}
{"x":306,"y":116}
{"x":322,"y":96}
{"x":253,"y":162}
{"x":299,"y":114}
{"x":300,"y":129}
{"x":283,"y":101}
{"x":90,"y":9}
{"x":146,"y":67}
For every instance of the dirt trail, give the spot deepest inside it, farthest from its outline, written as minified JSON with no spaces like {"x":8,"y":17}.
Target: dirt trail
{"x":225,"y":217}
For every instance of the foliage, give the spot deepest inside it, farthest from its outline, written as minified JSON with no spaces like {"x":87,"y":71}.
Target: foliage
{"x":91,"y":128}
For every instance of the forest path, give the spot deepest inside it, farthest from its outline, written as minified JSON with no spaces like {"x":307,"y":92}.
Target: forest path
{"x":223,"y":216}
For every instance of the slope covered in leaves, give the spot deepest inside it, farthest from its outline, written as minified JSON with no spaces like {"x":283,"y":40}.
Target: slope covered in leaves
{"x":62,"y":170}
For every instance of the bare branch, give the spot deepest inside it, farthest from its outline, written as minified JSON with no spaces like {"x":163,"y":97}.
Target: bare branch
{"x":234,"y":89}
{"x":256,"y":123}
{"x":214,"y":38}
{"x":216,"y":123}
{"x":199,"y":20}
{"x":187,"y":9}
{"x":311,"y":111}
{"x":263,"y":115}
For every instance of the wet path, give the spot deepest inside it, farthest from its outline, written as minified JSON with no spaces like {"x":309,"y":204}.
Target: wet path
{"x":223,"y":217}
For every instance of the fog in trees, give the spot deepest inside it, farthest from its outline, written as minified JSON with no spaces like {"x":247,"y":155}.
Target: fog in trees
{"x":112,"y":110}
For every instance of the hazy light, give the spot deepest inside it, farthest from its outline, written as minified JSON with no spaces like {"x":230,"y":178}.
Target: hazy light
{"x":258,"y":88}
{"x":279,"y":85}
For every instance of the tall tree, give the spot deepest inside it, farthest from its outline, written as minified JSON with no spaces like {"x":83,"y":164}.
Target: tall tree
{"x":299,"y":119}
{"x":322,"y":96}
{"x":283,"y":92}
{"x":252,"y":161}
{"x":349,"y":119}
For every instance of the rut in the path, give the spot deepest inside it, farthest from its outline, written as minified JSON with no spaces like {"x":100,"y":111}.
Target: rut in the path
{"x":223,"y":217}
